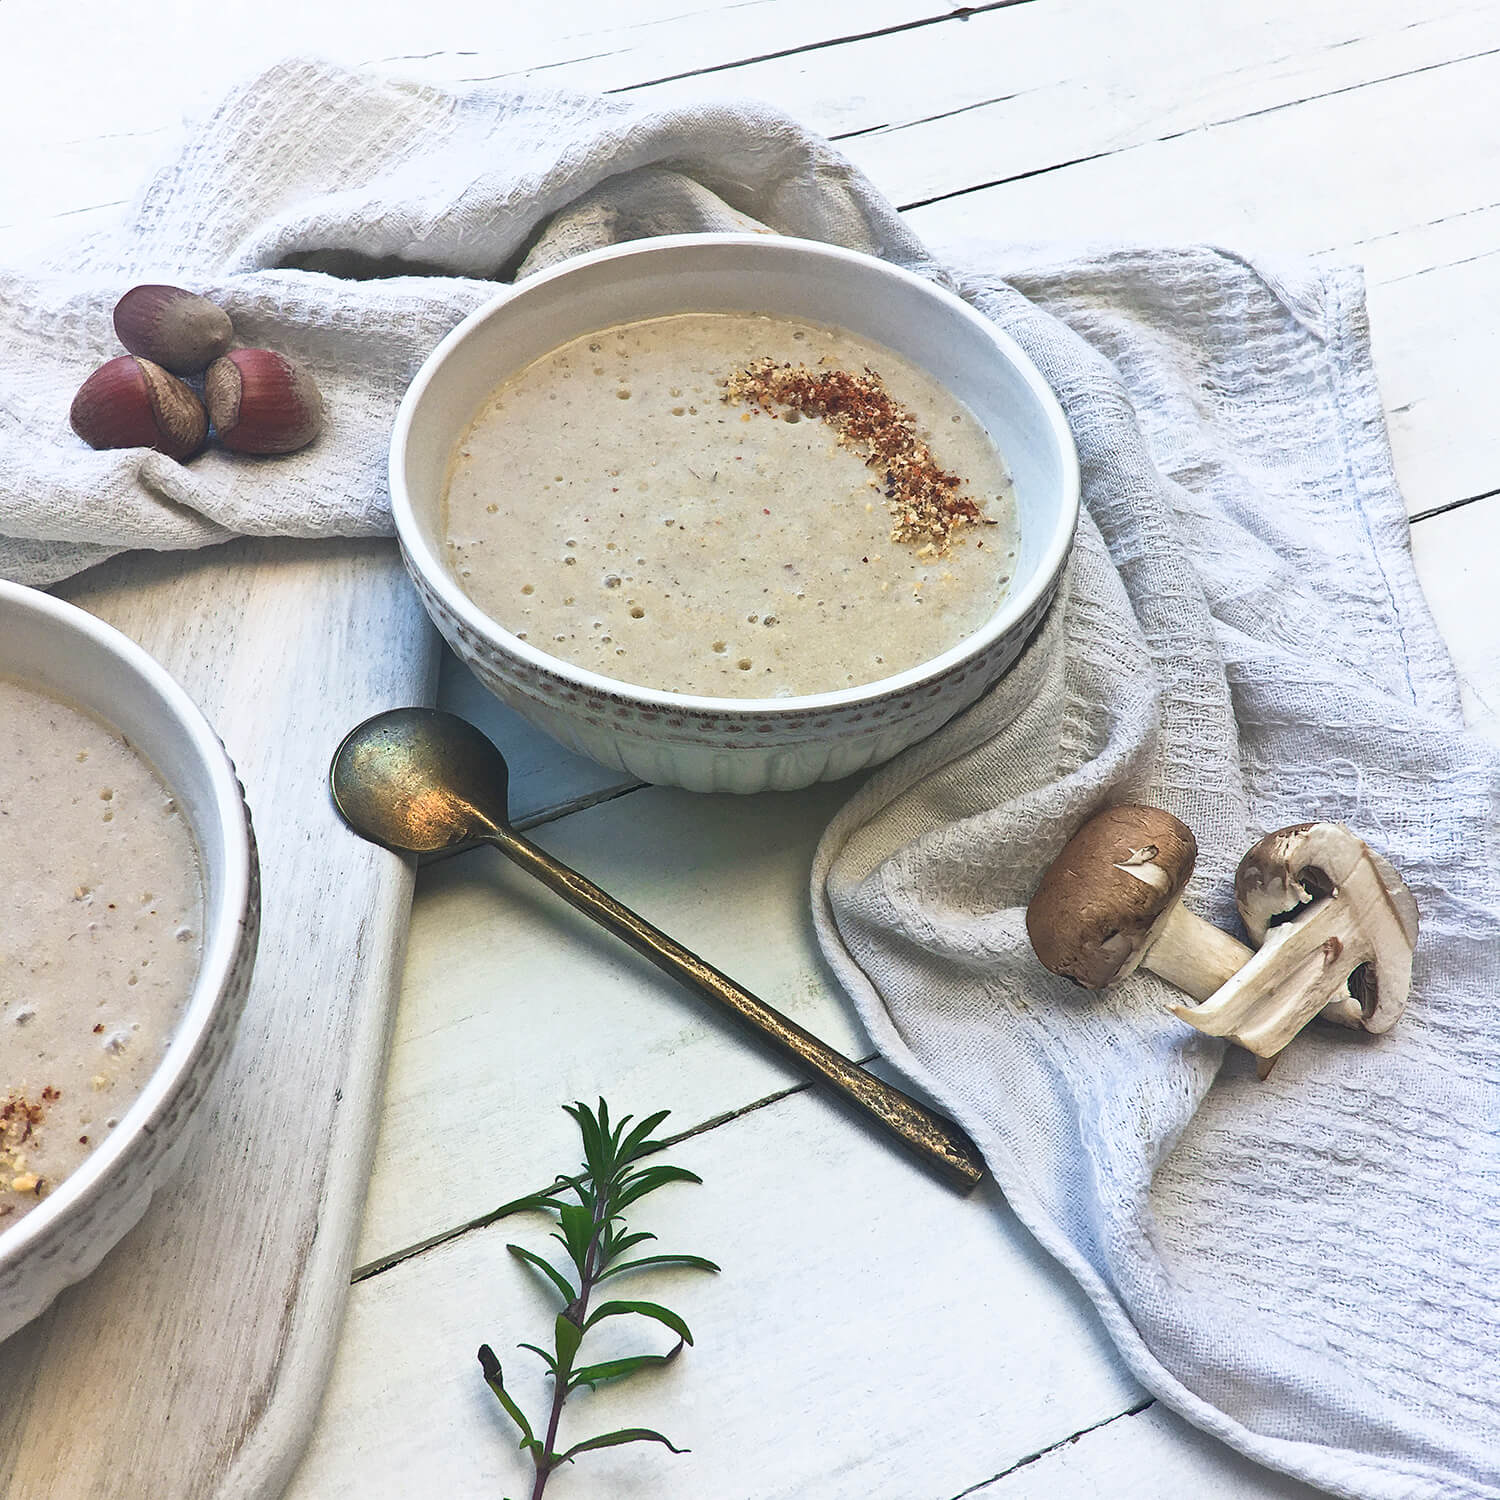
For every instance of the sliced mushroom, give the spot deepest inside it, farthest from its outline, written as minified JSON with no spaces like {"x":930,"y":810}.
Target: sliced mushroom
{"x":1112,"y":902}
{"x":1334,"y":922}
{"x":1328,"y":909}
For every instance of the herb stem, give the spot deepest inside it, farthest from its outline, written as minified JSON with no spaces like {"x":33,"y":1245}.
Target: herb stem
{"x":578,"y":1312}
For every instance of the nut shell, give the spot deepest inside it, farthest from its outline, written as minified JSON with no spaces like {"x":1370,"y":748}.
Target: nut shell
{"x":133,"y":403}
{"x":176,"y":329}
{"x":262,"y":402}
{"x":1091,"y":916}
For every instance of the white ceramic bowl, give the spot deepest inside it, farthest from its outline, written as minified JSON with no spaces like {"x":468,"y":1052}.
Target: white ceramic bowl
{"x":737,"y":744}
{"x":67,"y":652}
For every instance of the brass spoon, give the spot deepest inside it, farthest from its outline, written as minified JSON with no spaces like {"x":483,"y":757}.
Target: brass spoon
{"x":417,"y":780}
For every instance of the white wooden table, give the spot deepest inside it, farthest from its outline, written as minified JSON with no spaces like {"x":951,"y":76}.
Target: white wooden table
{"x":871,"y":1335}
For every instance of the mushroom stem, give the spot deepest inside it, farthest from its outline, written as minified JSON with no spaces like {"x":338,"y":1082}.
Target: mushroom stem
{"x":1283,"y":986}
{"x":1193,"y":954}
{"x":1325,"y":908}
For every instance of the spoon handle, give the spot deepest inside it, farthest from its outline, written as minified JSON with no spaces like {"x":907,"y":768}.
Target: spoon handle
{"x":937,"y":1141}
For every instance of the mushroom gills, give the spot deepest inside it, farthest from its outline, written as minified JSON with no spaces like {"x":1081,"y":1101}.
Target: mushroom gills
{"x":1349,"y":910}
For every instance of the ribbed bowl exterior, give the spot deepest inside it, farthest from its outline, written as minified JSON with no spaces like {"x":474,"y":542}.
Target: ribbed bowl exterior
{"x":754,"y":749}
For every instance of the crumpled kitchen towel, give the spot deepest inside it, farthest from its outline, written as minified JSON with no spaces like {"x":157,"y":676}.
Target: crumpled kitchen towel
{"x":1306,"y":1267}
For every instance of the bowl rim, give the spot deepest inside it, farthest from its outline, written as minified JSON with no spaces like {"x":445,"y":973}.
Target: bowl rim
{"x":222,"y":946}
{"x":423,"y":559}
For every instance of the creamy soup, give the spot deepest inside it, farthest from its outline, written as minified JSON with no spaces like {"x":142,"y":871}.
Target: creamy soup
{"x":730,"y":505}
{"x":100,"y":913}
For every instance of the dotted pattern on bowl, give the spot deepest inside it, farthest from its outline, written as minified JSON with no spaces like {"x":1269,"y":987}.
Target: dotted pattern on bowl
{"x":739,"y":750}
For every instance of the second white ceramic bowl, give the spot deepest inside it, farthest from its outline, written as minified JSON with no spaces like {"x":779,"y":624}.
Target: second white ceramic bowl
{"x":737,"y":744}
{"x":66,"y":652}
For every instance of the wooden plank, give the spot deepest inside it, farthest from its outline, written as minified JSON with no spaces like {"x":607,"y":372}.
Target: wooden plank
{"x":75,"y":148}
{"x":648,"y":48}
{"x":1455,"y":554}
{"x":1144,"y":85}
{"x":1097,"y":78}
{"x":1436,"y":337}
{"x":872,"y":1334}
{"x":1032,"y":87}
{"x":1370,"y":180}
{"x":513,"y":1002}
{"x":1152,"y":1455}
{"x":1039,"y":84}
{"x":1310,"y":176}
{"x":199,"y":1348}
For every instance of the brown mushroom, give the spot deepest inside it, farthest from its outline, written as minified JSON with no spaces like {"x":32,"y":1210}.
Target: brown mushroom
{"x":1112,"y":902}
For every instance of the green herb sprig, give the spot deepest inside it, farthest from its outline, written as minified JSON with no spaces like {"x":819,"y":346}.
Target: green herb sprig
{"x":593,"y":1232}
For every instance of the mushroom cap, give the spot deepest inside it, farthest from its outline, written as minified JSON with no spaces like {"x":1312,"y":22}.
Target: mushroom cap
{"x":1093,"y":913}
{"x":1309,"y":862}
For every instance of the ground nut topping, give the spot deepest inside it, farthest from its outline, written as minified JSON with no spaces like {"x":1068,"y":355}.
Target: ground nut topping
{"x":927,"y":503}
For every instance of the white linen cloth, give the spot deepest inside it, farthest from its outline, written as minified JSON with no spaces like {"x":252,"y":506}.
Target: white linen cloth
{"x":1308,"y":1267}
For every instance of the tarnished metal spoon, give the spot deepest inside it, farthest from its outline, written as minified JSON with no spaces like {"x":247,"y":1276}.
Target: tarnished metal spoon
{"x":417,"y":780}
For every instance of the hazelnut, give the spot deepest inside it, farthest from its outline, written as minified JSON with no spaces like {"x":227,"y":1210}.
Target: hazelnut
{"x":133,"y":403}
{"x":181,"y":331}
{"x":261,"y":402}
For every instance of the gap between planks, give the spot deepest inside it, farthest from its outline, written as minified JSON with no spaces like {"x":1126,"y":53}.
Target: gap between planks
{"x":1157,"y":140}
{"x":1449,"y":506}
{"x":1072,"y":1437}
{"x":954,"y":13}
{"x":553,"y":813}
{"x":483,"y":1221}
{"x":962,"y":13}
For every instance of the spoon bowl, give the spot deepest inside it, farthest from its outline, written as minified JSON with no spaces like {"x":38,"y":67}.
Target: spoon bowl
{"x":418,"y":780}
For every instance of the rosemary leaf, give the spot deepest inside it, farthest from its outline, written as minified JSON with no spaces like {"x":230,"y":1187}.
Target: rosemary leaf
{"x":593,"y":1232}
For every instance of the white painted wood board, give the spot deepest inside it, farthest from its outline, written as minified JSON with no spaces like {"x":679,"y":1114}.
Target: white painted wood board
{"x":82,"y":150}
{"x":872,"y":1334}
{"x":1436,"y":336}
{"x":1457,"y":554}
{"x":513,"y":1003}
{"x":1320,"y":174}
{"x":1033,"y":87}
{"x":192,"y":1361}
{"x":1414,"y":202}
{"x":1142,"y":83}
